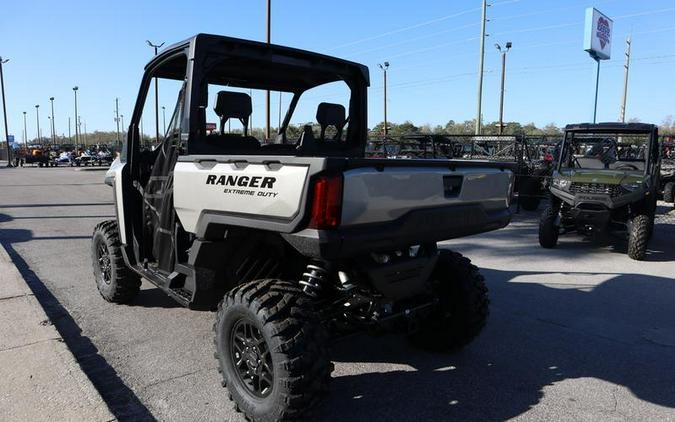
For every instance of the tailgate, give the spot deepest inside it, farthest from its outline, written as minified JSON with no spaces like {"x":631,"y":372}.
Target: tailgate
{"x":386,"y":191}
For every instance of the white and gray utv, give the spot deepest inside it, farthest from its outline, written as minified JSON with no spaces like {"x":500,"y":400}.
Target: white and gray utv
{"x":294,"y":240}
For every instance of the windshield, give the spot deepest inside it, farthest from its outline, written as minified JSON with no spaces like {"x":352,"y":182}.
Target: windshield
{"x":605,"y":151}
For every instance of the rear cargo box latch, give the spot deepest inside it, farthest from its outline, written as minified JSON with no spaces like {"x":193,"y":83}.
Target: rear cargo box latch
{"x":451,"y":186}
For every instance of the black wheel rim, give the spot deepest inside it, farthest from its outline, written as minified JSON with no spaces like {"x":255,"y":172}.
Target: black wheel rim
{"x":251,"y":358}
{"x":104,"y":262}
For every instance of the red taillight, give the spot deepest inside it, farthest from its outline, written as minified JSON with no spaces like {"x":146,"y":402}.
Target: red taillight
{"x":327,"y":203}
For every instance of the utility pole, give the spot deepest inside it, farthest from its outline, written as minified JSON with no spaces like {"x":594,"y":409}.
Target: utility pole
{"x":501,"y":95}
{"x":122,"y":118}
{"x":77,"y":136}
{"x":85,"y":132}
{"x":51,"y":99}
{"x":480,"y":67}
{"x":25,"y":131}
{"x":626,"y":67}
{"x":37,"y":117}
{"x":384,"y":68}
{"x":267,"y":97}
{"x":117,"y":118}
{"x":4,"y":111}
{"x":156,"y":46}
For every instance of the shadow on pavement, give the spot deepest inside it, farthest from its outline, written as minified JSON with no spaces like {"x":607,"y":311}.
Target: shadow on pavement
{"x":621,"y":331}
{"x":120,"y":399}
{"x":154,"y":298}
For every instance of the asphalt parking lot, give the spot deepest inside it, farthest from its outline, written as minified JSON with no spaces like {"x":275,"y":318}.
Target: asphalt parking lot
{"x":578,"y":333}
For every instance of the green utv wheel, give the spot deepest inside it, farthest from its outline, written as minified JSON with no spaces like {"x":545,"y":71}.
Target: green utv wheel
{"x":638,"y":235}
{"x":463,"y":305}
{"x":115,"y":282}
{"x":271,"y":350}
{"x":548,"y":230}
{"x":669,"y":192}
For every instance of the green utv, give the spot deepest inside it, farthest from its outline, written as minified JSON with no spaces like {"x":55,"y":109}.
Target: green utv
{"x":606,"y":179}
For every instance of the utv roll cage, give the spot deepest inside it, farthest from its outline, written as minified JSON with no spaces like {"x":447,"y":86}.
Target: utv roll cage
{"x":231,"y":62}
{"x":652,"y":152}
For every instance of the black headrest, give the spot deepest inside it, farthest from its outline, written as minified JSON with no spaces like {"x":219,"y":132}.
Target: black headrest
{"x":329,"y":114}
{"x":235,"y":105}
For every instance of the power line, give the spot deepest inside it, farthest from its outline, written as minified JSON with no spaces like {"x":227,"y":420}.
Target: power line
{"x":408,"y":28}
{"x":421,"y":24}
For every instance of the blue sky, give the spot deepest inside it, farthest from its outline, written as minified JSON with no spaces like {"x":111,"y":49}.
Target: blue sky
{"x":432,"y":46}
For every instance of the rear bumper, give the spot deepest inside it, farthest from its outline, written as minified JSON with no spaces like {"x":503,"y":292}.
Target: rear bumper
{"x":414,"y":228}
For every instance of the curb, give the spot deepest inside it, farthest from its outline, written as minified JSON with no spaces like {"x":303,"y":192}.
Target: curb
{"x":41,"y":377}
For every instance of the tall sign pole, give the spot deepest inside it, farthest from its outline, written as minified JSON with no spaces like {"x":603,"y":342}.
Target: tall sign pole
{"x":597,"y":86}
{"x":626,"y":67}
{"x":480,"y":67}
{"x":598,"y":44}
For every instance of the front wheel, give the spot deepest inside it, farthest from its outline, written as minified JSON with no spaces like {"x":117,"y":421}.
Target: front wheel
{"x":115,"y":282}
{"x":463,"y":305}
{"x":638,"y":235}
{"x":548,"y":229}
{"x":271,"y":350}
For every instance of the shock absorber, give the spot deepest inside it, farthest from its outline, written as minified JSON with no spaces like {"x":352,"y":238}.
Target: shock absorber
{"x":313,"y":279}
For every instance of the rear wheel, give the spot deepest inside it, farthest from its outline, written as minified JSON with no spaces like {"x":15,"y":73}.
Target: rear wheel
{"x":638,"y":236}
{"x":271,"y":350}
{"x":669,"y":192}
{"x":548,"y":229}
{"x":463,"y":305}
{"x":114,"y":280}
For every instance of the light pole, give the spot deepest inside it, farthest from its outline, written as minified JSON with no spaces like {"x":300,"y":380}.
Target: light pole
{"x":156,"y":46}
{"x":480,"y":67}
{"x":77,"y":136}
{"x":164,"y":118}
{"x":4,"y":111}
{"x":501,"y":95}
{"x":37,"y":118}
{"x":267,"y":97}
{"x":122,"y":117}
{"x":70,"y":138}
{"x":78,"y":128}
{"x":51,"y":132}
{"x":384,"y":68}
{"x":25,"y":131}
{"x":51,"y":99}
{"x":117,"y":119}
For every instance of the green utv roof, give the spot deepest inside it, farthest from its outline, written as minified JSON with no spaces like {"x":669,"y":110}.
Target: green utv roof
{"x":611,"y":127}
